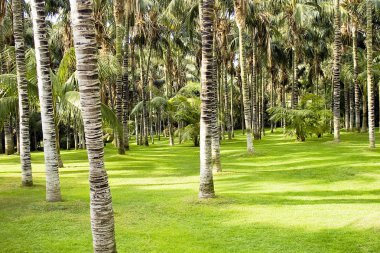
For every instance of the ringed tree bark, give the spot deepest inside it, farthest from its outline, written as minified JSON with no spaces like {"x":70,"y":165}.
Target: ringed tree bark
{"x":336,"y":70}
{"x":215,"y":139}
{"x":53,"y":189}
{"x":119,"y":20}
{"x":370,"y":88}
{"x":206,"y":189}
{"x":18,"y":30}
{"x":240,"y":12}
{"x":102,"y":217}
{"x":356,"y":82}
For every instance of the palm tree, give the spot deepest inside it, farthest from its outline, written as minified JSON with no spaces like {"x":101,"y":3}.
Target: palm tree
{"x":371,"y":95}
{"x":53,"y":192}
{"x":336,"y":69}
{"x":356,"y":71}
{"x":119,"y":20}
{"x":240,"y":16}
{"x":206,"y":189}
{"x":18,"y":30}
{"x":102,"y":218}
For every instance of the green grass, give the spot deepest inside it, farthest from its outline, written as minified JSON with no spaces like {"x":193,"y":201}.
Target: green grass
{"x":316,"y":196}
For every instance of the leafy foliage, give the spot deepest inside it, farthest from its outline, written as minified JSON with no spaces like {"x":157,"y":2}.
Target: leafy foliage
{"x":309,"y":118}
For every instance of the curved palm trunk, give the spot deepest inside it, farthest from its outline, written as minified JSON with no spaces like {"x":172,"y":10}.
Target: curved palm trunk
{"x":356,"y":82}
{"x":119,"y":20}
{"x":336,"y":70}
{"x":206,"y":188}
{"x":371,"y":93}
{"x":102,"y":218}
{"x":18,"y":29}
{"x":53,"y":189}
{"x":245,"y":91}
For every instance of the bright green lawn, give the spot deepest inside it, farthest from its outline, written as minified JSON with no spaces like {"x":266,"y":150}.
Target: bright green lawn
{"x":291,"y":197}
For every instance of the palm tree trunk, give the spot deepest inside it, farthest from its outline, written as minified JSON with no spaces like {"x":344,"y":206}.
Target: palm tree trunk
{"x":206,"y":188}
{"x":1,"y":141}
{"x":232,"y":107}
{"x":346,"y":106}
{"x":254,"y":86}
{"x":336,"y":70}
{"x":227,"y":111}
{"x":295,"y":79}
{"x":370,"y":86}
{"x":119,"y":21}
{"x":18,"y":29}
{"x":352,"y":108}
{"x":126,"y":102}
{"x":137,"y":130}
{"x":245,"y":89}
{"x":365,"y":112}
{"x":102,"y":218}
{"x":356,"y":82}
{"x":53,"y":189}
{"x":8,"y":137}
{"x":215,"y":139}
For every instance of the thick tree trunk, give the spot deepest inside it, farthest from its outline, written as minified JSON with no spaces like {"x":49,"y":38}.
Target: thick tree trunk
{"x":53,"y":189}
{"x":18,"y":30}
{"x":102,"y":218}
{"x":370,"y":86}
{"x":336,"y":70}
{"x":206,"y":188}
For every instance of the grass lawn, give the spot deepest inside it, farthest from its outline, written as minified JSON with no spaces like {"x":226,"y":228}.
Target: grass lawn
{"x":309,"y":197}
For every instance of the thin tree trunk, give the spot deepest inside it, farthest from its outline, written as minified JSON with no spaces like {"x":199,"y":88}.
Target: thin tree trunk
{"x":215,"y":138}
{"x":53,"y":188}
{"x":346,"y":107}
{"x":119,"y":21}
{"x":336,"y":70}
{"x":245,"y":89}
{"x":227,"y":111}
{"x":370,"y":86}
{"x":102,"y":218}
{"x":8,"y":137}
{"x":254,"y":86}
{"x":232,"y":107}
{"x":18,"y":29}
{"x":356,"y":82}
{"x":137,"y":130}
{"x":365,"y":112}
{"x":352,"y":107}
{"x":126,"y":102}
{"x":295,"y":79}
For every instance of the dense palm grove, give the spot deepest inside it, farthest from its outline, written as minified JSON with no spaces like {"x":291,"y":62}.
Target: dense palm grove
{"x":82,"y":74}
